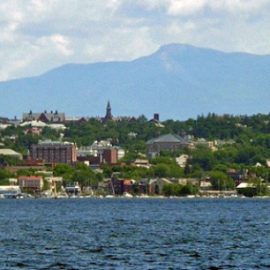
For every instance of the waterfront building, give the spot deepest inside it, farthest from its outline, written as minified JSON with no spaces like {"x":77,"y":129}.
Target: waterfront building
{"x":34,"y":183}
{"x":156,"y":185}
{"x":54,"y":152}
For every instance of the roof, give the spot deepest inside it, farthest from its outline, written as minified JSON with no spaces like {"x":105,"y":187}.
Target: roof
{"x":4,"y":126}
{"x":171,"y":138}
{"x":33,"y":123}
{"x":159,"y":180}
{"x":10,"y":189}
{"x":57,"y":126}
{"x":45,"y":116}
{"x":50,"y":142}
{"x":30,"y":178}
{"x":141,"y":161}
{"x":245,"y":185}
{"x":9,"y":152}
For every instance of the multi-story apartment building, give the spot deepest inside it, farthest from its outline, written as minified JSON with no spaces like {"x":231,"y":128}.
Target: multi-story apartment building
{"x":54,"y":152}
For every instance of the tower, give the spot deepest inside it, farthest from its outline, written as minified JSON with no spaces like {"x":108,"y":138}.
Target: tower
{"x":108,"y":115}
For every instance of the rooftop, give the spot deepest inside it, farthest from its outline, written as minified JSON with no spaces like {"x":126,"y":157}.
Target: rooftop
{"x":9,"y":152}
{"x":171,"y":138}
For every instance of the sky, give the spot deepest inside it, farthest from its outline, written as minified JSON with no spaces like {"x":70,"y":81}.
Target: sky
{"x":38,"y":35}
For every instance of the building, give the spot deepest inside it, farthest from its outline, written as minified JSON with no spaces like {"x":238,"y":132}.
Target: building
{"x":108,"y":115}
{"x":156,"y":185}
{"x":101,"y":152}
{"x":182,"y":160}
{"x":34,"y":183}
{"x":141,"y":163}
{"x":47,"y":117}
{"x":54,"y":152}
{"x":168,"y":142}
{"x":109,"y":156}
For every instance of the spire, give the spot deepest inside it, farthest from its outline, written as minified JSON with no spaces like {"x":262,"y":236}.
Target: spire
{"x":108,"y":115}
{"x":109,"y":105}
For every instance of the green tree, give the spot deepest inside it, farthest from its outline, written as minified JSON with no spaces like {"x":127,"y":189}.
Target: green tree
{"x":161,"y":170}
{"x":220,"y":180}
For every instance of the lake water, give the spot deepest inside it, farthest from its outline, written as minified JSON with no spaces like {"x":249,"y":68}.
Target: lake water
{"x":135,"y":234}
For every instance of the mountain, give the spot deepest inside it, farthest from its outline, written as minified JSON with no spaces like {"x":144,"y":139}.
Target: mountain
{"x":178,"y":81}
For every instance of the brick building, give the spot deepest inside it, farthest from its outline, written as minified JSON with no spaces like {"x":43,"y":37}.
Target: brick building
{"x":54,"y":152}
{"x":109,"y":156}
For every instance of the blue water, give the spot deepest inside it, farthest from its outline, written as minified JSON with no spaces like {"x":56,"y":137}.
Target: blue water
{"x":135,"y":234}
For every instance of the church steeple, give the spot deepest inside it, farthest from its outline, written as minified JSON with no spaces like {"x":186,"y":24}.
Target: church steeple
{"x":108,"y":115}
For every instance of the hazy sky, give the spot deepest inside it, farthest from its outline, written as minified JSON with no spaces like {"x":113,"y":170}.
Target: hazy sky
{"x":37,"y":35}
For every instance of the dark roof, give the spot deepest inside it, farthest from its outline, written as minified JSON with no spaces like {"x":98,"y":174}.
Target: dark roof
{"x":171,"y":138}
{"x":50,"y":117}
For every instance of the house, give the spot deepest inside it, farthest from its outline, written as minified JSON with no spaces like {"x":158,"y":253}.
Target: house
{"x":156,"y":185}
{"x":34,"y":183}
{"x":129,"y":186}
{"x":141,"y":163}
{"x":186,"y":181}
{"x":205,"y":185}
{"x":168,"y":142}
{"x":182,"y":160}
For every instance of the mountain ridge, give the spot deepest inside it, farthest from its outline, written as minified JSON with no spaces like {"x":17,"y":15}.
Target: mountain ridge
{"x":178,"y":81}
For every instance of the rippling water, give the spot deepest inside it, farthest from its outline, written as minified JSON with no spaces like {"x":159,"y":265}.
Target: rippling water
{"x":135,"y":234}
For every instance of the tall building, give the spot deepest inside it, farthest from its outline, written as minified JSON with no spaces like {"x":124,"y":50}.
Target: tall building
{"x":54,"y":152}
{"x":109,"y":156}
{"x":108,"y":115}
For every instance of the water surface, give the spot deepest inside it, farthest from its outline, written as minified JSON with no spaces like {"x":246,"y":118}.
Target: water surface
{"x":135,"y":234}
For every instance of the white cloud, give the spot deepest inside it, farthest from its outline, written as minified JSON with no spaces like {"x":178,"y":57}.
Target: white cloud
{"x":37,"y":35}
{"x":183,"y":7}
{"x":189,"y":7}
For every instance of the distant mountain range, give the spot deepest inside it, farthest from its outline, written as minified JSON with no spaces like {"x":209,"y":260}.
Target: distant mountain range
{"x":178,"y":81}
